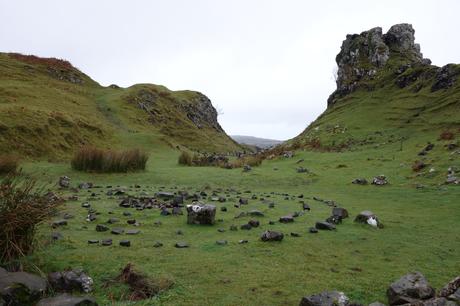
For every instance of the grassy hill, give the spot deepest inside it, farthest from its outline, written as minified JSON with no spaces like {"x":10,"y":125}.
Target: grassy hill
{"x":403,"y":100}
{"x":48,"y":107}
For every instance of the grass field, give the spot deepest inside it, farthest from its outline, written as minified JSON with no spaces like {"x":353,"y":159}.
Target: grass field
{"x":421,"y":228}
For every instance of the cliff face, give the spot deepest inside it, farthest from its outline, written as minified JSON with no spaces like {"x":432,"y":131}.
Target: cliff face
{"x":363,"y":55}
{"x":386,"y":92}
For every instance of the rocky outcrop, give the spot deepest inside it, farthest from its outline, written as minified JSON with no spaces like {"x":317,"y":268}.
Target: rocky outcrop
{"x":363,"y":55}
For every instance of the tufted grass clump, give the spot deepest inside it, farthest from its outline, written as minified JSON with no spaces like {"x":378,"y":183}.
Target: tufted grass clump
{"x":23,"y":206}
{"x":93,"y":159}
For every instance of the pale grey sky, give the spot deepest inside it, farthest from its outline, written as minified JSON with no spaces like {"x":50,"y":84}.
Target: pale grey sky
{"x":268,"y":64}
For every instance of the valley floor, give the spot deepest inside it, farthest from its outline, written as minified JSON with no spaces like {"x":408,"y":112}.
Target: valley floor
{"x":421,"y":232}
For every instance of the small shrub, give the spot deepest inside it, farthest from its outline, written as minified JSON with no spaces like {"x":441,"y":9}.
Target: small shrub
{"x":185,"y":158}
{"x":99,"y":160}
{"x":8,"y":164}
{"x":23,"y":206}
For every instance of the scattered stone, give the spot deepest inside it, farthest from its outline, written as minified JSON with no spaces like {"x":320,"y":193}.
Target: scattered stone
{"x":271,"y":236}
{"x":360,"y":181}
{"x":368,"y":217}
{"x":242,"y":241}
{"x":93,"y":241}
{"x":223,"y":209}
{"x":201,"y":214}
{"x":246,"y":226}
{"x":323,"y":225}
{"x":233,"y":227}
{"x":221,"y":230}
{"x":86,"y":205}
{"x":181,"y":245}
{"x":101,"y":228}
{"x":113,"y":220}
{"x":132,"y":232}
{"x":293,"y":234}
{"x":221,"y":242}
{"x":247,"y":168}
{"x":70,"y":280}
{"x":243,"y":201}
{"x":313,"y":230}
{"x":409,"y":288}
{"x":117,"y":231}
{"x":58,"y":223}
{"x":326,"y":298}
{"x":106,"y":242}
{"x":305,"y":206}
{"x":125,"y":243}
{"x":255,"y":213}
{"x":56,"y":236}
{"x":64,"y":182}
{"x":165,"y":195}
{"x":85,"y":185}
{"x":302,"y":170}
{"x":68,"y":300}
{"x":127,"y":214}
{"x":157,"y":244}
{"x":254,"y":223}
{"x":340,"y":212}
{"x":380,"y":180}
{"x":271,"y":222}
{"x":286,"y":219}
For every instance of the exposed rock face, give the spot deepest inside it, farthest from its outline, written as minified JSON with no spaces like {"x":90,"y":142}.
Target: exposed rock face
{"x":201,"y":112}
{"x":362,"y":55}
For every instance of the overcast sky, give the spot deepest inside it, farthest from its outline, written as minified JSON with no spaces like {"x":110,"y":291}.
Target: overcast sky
{"x":266,"y":64}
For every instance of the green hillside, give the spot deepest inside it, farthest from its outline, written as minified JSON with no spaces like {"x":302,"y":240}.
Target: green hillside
{"x":48,"y":108}
{"x":386,"y":93}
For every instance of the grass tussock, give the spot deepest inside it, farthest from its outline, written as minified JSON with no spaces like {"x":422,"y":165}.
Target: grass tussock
{"x":100,"y":160}
{"x":8,"y":164}
{"x":23,"y":206}
{"x":185,"y":158}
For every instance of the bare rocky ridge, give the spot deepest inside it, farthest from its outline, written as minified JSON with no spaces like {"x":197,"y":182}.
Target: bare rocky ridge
{"x":363,"y":55}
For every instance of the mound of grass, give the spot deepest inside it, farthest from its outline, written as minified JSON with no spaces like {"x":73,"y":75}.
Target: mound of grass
{"x":99,"y":160}
{"x":23,"y":207}
{"x":8,"y":164}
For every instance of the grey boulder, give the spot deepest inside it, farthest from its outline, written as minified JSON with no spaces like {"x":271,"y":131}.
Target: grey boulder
{"x":326,"y":298}
{"x":409,"y":289}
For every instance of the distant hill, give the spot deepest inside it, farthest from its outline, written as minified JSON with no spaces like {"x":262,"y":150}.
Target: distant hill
{"x":48,"y":108}
{"x":256,"y":141}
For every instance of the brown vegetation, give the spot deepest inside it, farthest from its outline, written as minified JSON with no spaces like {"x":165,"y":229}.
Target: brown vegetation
{"x":32,"y":59}
{"x":22,"y":207}
{"x":99,"y":160}
{"x":8,"y":164}
{"x":141,"y":286}
{"x":446,"y":135}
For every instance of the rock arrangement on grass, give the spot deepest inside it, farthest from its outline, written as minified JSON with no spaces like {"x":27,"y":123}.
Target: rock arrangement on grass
{"x":411,"y":289}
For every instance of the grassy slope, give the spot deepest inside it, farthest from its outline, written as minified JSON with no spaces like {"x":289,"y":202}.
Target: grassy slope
{"x":420,"y":233}
{"x":387,"y":113}
{"x":43,"y":116}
